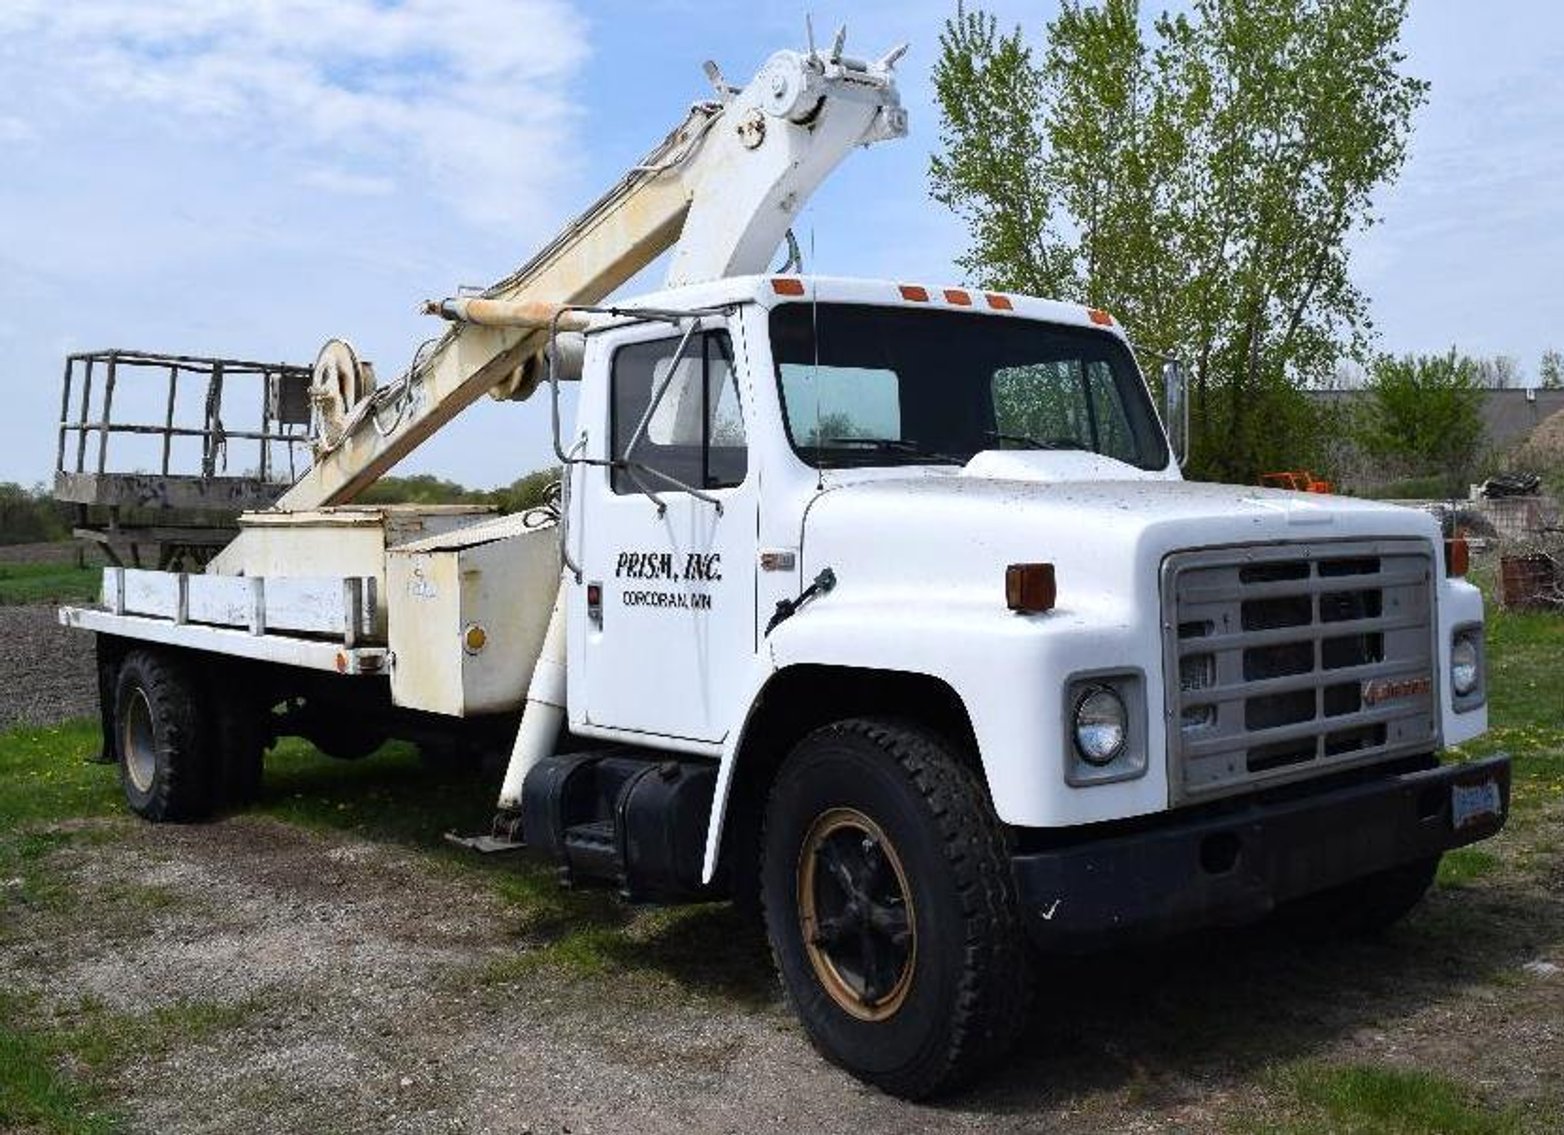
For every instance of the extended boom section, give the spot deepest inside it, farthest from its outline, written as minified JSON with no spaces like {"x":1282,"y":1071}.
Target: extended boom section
{"x":724,"y":187}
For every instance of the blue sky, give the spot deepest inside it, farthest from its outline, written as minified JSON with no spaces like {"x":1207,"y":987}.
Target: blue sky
{"x":251,"y":177}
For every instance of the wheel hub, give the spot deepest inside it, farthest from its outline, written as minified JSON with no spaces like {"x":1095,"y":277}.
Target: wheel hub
{"x":138,"y":743}
{"x":855,"y":913}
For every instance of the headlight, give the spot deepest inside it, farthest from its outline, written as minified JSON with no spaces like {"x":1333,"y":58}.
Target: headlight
{"x":1101,"y":726}
{"x":1465,"y":665}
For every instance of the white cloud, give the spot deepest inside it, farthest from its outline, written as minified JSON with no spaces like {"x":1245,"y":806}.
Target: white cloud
{"x":249,"y":177}
{"x":15,"y":130}
{"x":466,"y":93}
{"x":347,"y":182}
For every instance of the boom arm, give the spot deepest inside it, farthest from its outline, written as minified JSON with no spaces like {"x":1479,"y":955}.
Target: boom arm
{"x":723,"y":188}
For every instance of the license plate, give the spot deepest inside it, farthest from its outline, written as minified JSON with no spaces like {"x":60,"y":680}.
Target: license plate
{"x":1473,"y":803}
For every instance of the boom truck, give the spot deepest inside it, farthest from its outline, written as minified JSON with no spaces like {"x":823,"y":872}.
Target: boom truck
{"x":878,"y":606}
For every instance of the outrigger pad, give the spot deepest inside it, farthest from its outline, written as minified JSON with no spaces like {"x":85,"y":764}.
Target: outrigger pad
{"x":486,"y":844}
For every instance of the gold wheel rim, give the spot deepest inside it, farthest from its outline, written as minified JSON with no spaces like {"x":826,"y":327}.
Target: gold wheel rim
{"x":853,"y":973}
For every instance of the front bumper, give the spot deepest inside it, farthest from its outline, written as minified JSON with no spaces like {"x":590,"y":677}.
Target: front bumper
{"x":1237,"y":865}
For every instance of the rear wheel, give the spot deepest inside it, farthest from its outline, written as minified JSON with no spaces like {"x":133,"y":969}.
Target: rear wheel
{"x":160,"y":733}
{"x":890,"y":908}
{"x":239,"y":728}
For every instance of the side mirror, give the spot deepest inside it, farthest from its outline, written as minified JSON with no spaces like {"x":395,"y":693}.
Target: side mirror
{"x":1175,"y":409}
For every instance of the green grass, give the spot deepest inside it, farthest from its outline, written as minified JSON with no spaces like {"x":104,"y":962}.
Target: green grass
{"x":1465,"y":865}
{"x":1415,"y":488}
{"x":45,"y":780}
{"x":48,"y":583}
{"x":36,"y":1047}
{"x":1353,"y":1098}
{"x":35,"y":1094}
{"x":45,"y":776}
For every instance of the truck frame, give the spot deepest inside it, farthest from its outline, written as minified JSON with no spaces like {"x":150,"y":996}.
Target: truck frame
{"x":880,"y":608}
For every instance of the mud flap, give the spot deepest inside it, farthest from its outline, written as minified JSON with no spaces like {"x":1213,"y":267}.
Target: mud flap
{"x":109,"y":651}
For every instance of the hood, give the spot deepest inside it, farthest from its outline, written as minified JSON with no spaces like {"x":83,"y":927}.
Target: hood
{"x":954,"y":533}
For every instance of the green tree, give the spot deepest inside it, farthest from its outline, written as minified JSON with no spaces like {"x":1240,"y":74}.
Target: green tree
{"x":526,"y":492}
{"x":1550,"y":370}
{"x":420,"y":488}
{"x":1499,"y":372}
{"x":1200,"y":183}
{"x":1423,"y":414}
{"x":30,"y":515}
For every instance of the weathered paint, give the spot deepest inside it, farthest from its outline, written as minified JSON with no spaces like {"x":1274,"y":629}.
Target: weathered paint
{"x":340,"y":542}
{"x":498,"y":576}
{"x":285,"y":650}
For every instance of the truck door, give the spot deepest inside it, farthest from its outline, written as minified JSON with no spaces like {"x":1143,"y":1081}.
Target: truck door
{"x":665,"y":620}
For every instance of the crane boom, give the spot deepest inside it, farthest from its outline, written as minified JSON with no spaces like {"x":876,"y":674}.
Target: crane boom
{"x":722,"y":189}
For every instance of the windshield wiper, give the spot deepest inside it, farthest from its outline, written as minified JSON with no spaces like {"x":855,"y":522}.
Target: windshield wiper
{"x":893,"y":445}
{"x":1034,"y":443}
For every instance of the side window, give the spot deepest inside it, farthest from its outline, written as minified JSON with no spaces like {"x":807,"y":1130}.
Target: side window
{"x":695,"y":432}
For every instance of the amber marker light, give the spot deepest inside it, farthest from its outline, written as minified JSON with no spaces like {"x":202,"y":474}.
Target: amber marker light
{"x":1099,"y":317}
{"x":787,"y":286}
{"x":998,"y":302}
{"x":914,"y":293}
{"x":957,"y":297}
{"x":1458,"y":556}
{"x":1030,"y":588}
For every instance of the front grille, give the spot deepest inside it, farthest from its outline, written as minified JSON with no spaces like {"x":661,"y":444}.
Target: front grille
{"x":1286,"y":661}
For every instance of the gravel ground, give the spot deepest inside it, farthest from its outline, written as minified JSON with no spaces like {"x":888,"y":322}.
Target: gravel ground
{"x":357,"y":979}
{"x":360,"y":977}
{"x":46,"y":671}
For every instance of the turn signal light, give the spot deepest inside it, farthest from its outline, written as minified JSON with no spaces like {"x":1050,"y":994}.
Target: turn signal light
{"x":1458,"y":556}
{"x":784,"y":286}
{"x":1030,"y":588}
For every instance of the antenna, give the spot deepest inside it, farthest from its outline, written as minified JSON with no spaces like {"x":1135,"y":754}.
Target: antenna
{"x":725,"y":90}
{"x":814,"y":334}
{"x":839,"y":45}
{"x":891,"y":57}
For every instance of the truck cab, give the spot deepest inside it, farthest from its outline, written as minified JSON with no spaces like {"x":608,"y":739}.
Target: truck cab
{"x":893,"y":517}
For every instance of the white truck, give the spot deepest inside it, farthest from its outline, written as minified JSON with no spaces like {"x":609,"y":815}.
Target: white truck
{"x":879,"y":606}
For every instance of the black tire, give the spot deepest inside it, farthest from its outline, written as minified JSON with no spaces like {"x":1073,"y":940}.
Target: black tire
{"x":1361,"y":908}
{"x":962,"y":982}
{"x":161,"y":738}
{"x":239,"y":731}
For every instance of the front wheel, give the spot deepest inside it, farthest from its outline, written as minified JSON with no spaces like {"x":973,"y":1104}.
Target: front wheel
{"x":890,"y":908}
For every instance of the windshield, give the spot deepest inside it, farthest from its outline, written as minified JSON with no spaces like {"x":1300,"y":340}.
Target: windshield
{"x":867,"y":385}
